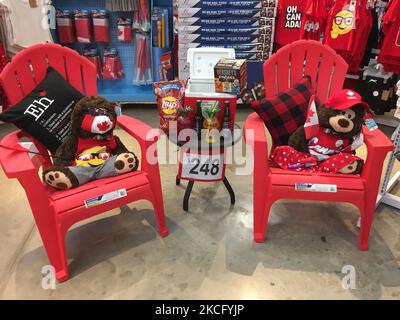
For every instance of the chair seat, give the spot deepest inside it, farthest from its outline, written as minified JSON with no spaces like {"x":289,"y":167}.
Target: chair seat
{"x":74,"y":198}
{"x":281,"y":177}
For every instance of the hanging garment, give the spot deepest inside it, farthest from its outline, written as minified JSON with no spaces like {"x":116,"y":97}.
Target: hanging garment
{"x":347,"y":31}
{"x":314,"y":19}
{"x":390,"y":51}
{"x":288,"y":22}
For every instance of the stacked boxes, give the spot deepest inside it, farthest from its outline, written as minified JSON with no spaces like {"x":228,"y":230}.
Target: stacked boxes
{"x":246,"y":26}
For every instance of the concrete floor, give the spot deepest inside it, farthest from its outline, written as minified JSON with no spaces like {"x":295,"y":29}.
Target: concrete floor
{"x":209,"y":253}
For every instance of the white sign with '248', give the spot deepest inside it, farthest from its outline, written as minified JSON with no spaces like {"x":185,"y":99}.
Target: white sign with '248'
{"x":202,"y":167}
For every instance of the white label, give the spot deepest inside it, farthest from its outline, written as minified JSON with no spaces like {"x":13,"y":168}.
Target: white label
{"x":202,"y":167}
{"x":96,"y":201}
{"x":314,"y":187}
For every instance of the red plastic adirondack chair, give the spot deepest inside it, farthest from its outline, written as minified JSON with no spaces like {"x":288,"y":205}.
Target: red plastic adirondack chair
{"x":328,"y":70}
{"x":56,"y":211}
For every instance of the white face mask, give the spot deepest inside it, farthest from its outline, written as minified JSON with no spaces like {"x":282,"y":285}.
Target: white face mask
{"x":101,"y":125}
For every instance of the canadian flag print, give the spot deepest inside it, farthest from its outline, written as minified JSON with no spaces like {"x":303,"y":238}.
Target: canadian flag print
{"x":311,"y":126}
{"x":101,"y":125}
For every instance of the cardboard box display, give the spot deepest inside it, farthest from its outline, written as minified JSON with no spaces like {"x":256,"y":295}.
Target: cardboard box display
{"x":230,"y":76}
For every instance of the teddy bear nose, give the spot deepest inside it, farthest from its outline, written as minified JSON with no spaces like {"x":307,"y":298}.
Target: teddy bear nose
{"x":343,"y":123}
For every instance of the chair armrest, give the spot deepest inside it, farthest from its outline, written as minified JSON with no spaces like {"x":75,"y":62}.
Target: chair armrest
{"x":254,"y":135}
{"x":14,"y":159}
{"x":378,"y":146}
{"x":144,"y":134}
{"x":376,"y":140}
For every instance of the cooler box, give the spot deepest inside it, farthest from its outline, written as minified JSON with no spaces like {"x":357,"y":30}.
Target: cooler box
{"x":201,"y":82}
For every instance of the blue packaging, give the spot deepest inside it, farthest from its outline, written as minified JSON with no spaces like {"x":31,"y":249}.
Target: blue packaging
{"x":214,"y":30}
{"x":248,"y":22}
{"x":199,"y":38}
{"x":224,"y":12}
{"x":236,"y":4}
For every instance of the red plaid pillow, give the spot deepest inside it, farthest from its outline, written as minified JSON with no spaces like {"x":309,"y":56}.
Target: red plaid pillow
{"x":286,"y":112}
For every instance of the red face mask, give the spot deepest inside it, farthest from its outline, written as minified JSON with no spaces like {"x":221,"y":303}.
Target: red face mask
{"x":97,"y":124}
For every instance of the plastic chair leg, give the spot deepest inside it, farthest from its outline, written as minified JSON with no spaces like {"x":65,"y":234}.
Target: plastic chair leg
{"x":261,"y":213}
{"x":54,"y":245}
{"x":366,"y":223}
{"x":158,"y":207}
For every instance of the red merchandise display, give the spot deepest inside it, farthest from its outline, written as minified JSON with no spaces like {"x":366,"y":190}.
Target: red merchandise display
{"x":65,"y":27}
{"x":348,"y":26}
{"x":288,"y":22}
{"x":94,"y":57}
{"x":314,"y":19}
{"x":101,"y":26}
{"x":112,"y":67}
{"x":83,"y":26}
{"x":390,"y":50}
{"x":124,"y":30}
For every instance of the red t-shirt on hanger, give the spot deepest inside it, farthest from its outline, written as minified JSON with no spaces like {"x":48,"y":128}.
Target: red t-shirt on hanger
{"x":390,"y":51}
{"x":288,"y":22}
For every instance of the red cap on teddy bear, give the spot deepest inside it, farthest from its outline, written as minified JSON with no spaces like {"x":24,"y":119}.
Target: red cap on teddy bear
{"x":345,"y":99}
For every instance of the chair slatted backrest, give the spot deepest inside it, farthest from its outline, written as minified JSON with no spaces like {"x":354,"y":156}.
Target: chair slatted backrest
{"x":305,"y":57}
{"x":28,"y":69}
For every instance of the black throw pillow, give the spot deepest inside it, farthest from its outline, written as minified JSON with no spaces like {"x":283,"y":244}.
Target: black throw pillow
{"x":45,"y":113}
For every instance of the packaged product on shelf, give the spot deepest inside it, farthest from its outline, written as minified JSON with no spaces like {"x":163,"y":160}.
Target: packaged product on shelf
{"x":230,"y":75}
{"x":250,"y":55}
{"x":211,"y":30}
{"x":170,"y":101}
{"x":163,"y":68}
{"x":94,"y":57}
{"x":65,"y":27}
{"x":188,"y":38}
{"x":160,"y":27}
{"x":142,"y":70}
{"x":221,"y":13}
{"x":198,"y":21}
{"x":112,"y":67}
{"x":124,"y":29}
{"x":259,"y":48}
{"x":141,"y":17}
{"x":101,"y":26}
{"x":83,"y":26}
{"x":237,"y":4}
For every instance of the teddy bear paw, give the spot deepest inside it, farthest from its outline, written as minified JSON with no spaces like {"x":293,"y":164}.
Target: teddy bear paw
{"x":350,"y":168}
{"x":126,"y":162}
{"x":58,"y":180}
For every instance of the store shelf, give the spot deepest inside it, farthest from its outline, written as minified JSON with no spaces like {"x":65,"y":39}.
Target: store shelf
{"x":121,"y":90}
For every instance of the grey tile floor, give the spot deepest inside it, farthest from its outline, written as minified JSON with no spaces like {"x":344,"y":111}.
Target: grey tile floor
{"x":209,"y":253}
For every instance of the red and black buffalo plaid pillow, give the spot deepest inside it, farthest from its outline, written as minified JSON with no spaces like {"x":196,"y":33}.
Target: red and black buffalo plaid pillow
{"x":286,"y":112}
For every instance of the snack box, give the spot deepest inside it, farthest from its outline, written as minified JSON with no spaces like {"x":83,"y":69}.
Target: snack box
{"x":230,"y":75}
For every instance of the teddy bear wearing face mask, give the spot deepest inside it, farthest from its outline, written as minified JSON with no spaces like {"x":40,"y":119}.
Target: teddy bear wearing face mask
{"x":92,"y":151}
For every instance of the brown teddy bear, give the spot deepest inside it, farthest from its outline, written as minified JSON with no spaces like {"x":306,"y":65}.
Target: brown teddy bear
{"x":330,"y":145}
{"x":91,"y":151}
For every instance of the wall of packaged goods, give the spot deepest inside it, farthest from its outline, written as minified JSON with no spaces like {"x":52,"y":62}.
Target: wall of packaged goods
{"x":130,"y":48}
{"x":246,"y":26}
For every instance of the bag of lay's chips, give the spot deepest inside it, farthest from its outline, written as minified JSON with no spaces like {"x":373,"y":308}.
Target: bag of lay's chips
{"x":170,"y":100}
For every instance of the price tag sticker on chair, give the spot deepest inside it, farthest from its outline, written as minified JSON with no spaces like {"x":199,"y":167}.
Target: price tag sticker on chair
{"x":114,"y":195}
{"x":315,"y":187}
